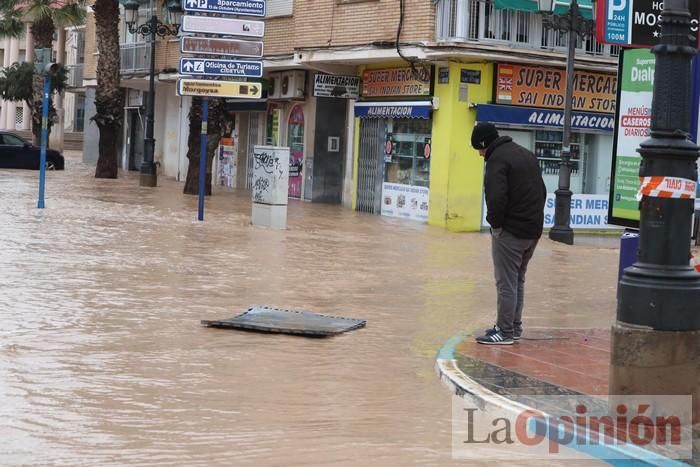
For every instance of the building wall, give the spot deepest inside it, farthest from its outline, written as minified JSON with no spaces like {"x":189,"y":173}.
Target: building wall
{"x":170,"y":143}
{"x":279,"y":36}
{"x":456,"y":171}
{"x":319,"y":23}
{"x":89,"y":72}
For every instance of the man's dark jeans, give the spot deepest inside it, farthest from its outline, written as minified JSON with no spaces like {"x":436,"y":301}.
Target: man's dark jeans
{"x":510,"y":258}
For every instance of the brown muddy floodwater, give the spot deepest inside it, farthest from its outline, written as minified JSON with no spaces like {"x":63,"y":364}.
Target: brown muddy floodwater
{"x":103,"y":360}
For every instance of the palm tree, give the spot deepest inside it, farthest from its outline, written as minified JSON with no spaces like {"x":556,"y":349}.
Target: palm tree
{"x":108,"y":95}
{"x":17,"y":85}
{"x":45,"y":16}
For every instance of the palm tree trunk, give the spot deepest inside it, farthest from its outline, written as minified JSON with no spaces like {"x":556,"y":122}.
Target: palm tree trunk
{"x":108,"y":95}
{"x":215,"y":128}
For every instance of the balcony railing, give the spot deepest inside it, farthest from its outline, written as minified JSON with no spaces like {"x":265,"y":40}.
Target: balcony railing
{"x":75,"y":75}
{"x":480,"y":21}
{"x":134,"y":57}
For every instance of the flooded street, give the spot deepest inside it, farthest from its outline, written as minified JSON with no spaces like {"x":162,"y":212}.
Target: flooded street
{"x":103,"y":360}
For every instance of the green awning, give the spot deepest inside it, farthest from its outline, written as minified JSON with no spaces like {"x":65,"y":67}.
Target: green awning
{"x":560,"y":6}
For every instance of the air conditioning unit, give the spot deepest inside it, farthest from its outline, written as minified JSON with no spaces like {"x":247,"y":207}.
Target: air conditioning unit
{"x":274,"y":83}
{"x":293,"y":84}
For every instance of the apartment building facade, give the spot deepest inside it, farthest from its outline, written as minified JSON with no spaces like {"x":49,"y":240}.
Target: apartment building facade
{"x":399,"y":146}
{"x":68,"y":50}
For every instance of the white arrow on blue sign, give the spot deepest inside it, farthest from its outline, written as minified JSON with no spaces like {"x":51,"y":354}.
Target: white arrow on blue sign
{"x":218,"y":67}
{"x":226,"y":7}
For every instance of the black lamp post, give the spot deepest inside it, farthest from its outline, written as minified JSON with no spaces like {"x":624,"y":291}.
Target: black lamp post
{"x":576,"y":25}
{"x":154,"y":27}
{"x":655,"y":342}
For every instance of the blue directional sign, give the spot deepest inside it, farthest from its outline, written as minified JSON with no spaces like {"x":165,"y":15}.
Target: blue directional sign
{"x":226,"y":7}
{"x":217,"y":67}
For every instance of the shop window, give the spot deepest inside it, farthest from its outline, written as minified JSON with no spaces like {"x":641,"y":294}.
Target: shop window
{"x":548,"y":147}
{"x":407,"y":153}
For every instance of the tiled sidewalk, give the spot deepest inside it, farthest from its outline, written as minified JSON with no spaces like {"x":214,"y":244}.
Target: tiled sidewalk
{"x":571,"y":360}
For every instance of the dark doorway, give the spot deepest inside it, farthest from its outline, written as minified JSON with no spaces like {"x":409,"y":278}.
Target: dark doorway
{"x":329,"y":150}
{"x":135,"y":141}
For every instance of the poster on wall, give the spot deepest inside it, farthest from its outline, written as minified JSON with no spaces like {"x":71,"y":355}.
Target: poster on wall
{"x":406,"y":201}
{"x":227,"y":163}
{"x":295,"y":141}
{"x":534,"y":86}
{"x":393,"y":82}
{"x":632,"y":128}
{"x":587,"y":212}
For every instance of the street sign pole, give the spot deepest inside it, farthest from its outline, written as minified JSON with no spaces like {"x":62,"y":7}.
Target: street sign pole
{"x":203,"y":157}
{"x":44,"y":139}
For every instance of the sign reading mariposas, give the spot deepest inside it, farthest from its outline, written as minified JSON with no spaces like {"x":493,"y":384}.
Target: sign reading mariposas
{"x":633,"y":127}
{"x":347,"y":87}
{"x":532,"y":86}
{"x":226,"y":7}
{"x":636,"y":22}
{"x":218,"y":67}
{"x":394,"y":82}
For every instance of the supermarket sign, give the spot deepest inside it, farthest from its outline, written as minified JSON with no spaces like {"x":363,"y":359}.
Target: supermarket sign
{"x":587,"y":212}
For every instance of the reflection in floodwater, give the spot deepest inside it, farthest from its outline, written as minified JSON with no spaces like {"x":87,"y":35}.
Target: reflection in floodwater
{"x":103,"y":360}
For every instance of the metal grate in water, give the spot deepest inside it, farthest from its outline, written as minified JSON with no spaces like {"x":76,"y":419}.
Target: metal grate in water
{"x":281,"y":320}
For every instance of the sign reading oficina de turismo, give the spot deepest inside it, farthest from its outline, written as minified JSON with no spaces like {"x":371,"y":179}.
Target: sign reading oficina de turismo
{"x":226,"y":7}
{"x":635,"y":22}
{"x":218,"y":67}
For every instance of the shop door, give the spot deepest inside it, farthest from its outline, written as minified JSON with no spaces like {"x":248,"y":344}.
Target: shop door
{"x":370,"y":171}
{"x":254,"y":138}
{"x":295,"y":141}
{"x":329,"y":144}
{"x":135,"y":140}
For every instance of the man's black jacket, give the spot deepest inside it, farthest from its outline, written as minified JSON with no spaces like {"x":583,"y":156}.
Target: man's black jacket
{"x":515,"y":192}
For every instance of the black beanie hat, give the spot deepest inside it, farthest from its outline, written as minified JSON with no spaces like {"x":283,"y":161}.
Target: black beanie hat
{"x":483,"y":135}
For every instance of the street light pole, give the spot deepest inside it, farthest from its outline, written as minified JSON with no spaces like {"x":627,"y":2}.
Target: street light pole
{"x":576,"y":25}
{"x":148,"y":174}
{"x":656,"y":339}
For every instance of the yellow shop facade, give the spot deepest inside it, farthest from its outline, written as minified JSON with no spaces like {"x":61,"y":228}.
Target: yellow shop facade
{"x":412,"y":157}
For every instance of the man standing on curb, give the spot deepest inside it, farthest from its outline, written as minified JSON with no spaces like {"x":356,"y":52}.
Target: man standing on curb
{"x":515,"y":197}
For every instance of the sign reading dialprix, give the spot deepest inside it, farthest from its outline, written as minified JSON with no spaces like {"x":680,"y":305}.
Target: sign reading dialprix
{"x":531,"y":86}
{"x":635,"y":22}
{"x":394,"y":82}
{"x":633,"y":122}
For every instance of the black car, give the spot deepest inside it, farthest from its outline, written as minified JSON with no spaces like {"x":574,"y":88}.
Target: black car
{"x":17,"y":153}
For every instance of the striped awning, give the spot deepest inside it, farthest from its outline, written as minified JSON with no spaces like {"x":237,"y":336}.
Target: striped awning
{"x":560,"y":6}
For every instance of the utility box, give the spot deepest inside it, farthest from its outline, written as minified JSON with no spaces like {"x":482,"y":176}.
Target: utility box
{"x":629,"y":248}
{"x":270,"y":186}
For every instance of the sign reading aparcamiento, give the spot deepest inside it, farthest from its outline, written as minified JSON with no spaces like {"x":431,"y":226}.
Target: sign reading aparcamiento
{"x":633,"y":127}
